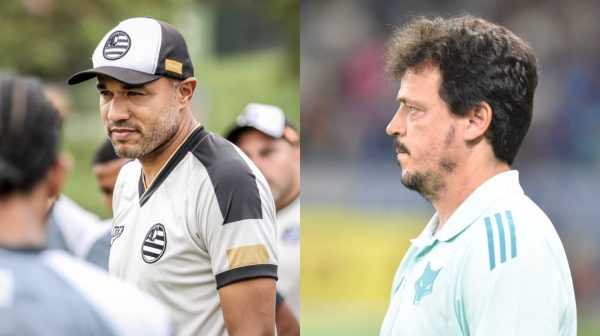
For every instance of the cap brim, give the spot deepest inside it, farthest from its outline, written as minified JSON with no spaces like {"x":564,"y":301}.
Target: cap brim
{"x":127,"y":76}
{"x":234,"y":134}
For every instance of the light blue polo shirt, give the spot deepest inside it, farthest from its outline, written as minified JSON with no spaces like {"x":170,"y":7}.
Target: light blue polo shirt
{"x":497,"y":267}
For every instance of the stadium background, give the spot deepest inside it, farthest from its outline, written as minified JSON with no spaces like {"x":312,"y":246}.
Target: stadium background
{"x":356,"y":216}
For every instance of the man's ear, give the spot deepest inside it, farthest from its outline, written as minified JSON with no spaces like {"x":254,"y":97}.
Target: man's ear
{"x":186,"y":90}
{"x":296,"y":152}
{"x":478,"y":119}
{"x":57,"y":175}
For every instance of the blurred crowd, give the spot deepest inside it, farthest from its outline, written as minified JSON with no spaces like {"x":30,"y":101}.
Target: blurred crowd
{"x":343,"y":82}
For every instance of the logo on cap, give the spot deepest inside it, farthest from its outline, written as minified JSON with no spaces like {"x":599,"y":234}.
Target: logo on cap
{"x":116,"y":45}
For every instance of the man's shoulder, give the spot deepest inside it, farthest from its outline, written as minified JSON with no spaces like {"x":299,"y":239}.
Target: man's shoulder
{"x":215,"y":152}
{"x":513,"y":229}
{"x":124,"y":307}
{"x":517,"y":212}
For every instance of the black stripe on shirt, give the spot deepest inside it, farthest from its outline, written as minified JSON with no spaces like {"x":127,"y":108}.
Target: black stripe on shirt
{"x":232,"y":179}
{"x":246,"y":272}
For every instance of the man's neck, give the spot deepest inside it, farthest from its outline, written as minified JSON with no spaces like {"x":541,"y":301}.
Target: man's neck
{"x":152,"y":164}
{"x":21,"y":224}
{"x":461,"y":184}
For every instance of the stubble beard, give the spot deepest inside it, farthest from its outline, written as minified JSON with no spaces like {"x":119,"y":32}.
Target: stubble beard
{"x":158,"y":137}
{"x":431,"y":183}
{"x":428,"y":184}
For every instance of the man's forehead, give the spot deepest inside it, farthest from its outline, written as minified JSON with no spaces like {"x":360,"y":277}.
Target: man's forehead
{"x":415,"y":79}
{"x":254,"y":134}
{"x":105,"y":81}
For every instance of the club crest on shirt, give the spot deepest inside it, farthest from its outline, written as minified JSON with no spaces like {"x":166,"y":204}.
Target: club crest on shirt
{"x":424,"y":284}
{"x":155,"y":243}
{"x":115,"y":233}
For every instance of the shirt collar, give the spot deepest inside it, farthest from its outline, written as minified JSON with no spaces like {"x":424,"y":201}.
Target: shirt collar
{"x":497,"y":187}
{"x":426,"y":237}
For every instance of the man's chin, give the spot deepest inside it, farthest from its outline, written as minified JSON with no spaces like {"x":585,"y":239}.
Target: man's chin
{"x":125,"y":151}
{"x":410,"y":181}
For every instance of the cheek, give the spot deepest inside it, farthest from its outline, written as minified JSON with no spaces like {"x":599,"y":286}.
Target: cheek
{"x":425,"y":148}
{"x":104,"y":113}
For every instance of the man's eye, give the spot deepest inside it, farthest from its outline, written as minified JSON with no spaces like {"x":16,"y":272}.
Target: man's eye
{"x":134,"y":93}
{"x":105,"y":93}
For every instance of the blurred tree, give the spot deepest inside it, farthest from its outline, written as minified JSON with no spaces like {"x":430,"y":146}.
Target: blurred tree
{"x":255,"y":24}
{"x":287,"y":14}
{"x":53,"y":38}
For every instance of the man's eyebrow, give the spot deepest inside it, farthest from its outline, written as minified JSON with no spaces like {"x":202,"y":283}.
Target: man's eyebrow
{"x":132,"y":86}
{"x":102,"y":86}
{"x":406,"y":100}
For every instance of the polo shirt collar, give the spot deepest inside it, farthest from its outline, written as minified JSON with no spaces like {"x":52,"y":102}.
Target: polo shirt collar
{"x":497,"y":187}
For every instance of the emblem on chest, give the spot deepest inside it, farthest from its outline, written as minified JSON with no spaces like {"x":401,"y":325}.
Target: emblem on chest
{"x":155,"y":243}
{"x":424,"y":284}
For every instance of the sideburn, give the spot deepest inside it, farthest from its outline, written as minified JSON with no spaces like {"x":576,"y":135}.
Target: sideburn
{"x":447,"y":164}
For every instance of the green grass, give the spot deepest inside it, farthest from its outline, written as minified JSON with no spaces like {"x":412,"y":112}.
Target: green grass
{"x":231,"y":83}
{"x":347,"y":265}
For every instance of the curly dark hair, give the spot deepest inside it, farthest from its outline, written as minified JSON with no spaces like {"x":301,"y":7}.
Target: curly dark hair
{"x":479,"y":62}
{"x":29,"y":134}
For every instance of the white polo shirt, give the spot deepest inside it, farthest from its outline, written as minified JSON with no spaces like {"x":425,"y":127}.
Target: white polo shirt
{"x":207,"y":220}
{"x":497,"y":267}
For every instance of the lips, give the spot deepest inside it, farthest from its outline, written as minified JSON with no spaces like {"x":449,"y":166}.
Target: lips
{"x":121,"y":133}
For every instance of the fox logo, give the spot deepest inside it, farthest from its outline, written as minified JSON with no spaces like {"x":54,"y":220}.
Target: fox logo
{"x":424,"y":285}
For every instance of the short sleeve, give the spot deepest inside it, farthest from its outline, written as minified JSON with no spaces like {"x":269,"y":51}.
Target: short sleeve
{"x":508,"y":290}
{"x":239,"y":217}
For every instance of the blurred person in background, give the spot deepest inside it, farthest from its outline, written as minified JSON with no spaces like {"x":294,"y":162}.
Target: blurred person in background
{"x":194,"y":222}
{"x":106,"y":166}
{"x":35,"y":281}
{"x":489,"y":258}
{"x":70,"y":227}
{"x":272,"y":143}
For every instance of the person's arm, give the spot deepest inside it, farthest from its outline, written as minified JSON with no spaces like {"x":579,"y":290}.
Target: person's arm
{"x":249,"y":307}
{"x":285,"y":321}
{"x":239,"y":231}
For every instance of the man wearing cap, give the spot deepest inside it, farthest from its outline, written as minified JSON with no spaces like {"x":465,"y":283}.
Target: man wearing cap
{"x":271,"y":142}
{"x":194,"y":220}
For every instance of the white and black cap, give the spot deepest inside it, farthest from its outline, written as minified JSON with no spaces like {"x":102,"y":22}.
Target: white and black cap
{"x":267,"y":119}
{"x":138,"y":51}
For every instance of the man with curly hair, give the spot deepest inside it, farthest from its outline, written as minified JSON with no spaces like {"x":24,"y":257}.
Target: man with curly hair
{"x":489,"y":262}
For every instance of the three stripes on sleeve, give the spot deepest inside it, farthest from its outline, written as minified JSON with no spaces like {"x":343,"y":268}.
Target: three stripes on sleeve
{"x":502,"y":226}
